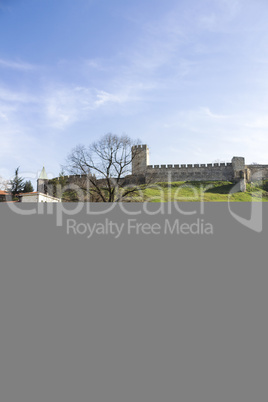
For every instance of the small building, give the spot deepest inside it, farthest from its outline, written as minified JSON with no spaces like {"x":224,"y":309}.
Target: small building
{"x":37,"y":197}
{"x":5,"y":196}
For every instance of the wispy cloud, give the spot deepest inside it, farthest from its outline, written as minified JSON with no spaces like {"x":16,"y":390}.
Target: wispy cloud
{"x":17,"y":126}
{"x":15,"y":96}
{"x":209,"y":113}
{"x":65,"y":106}
{"x":218,"y":16}
{"x":68,"y":105}
{"x":16,"y":65}
{"x":104,"y":97}
{"x":95,"y":64}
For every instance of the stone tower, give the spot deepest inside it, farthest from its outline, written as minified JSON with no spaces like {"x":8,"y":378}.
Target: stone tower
{"x":42,"y":182}
{"x":140,"y":159}
{"x":238,"y":163}
{"x":240,"y":174}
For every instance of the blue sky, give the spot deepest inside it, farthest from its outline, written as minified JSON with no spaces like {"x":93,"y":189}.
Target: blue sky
{"x":188,"y":78}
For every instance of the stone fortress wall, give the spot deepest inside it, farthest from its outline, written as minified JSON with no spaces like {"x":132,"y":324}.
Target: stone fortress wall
{"x":191,"y":172}
{"x":256,"y":172}
{"x":233,"y":171}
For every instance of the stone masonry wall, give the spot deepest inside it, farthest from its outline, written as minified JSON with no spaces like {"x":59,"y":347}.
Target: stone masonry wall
{"x":206,"y":172}
{"x":140,"y":155}
{"x":257,"y":172}
{"x":188,"y":172}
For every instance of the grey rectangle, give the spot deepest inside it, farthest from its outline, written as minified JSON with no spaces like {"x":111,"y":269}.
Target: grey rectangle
{"x":163,"y":316}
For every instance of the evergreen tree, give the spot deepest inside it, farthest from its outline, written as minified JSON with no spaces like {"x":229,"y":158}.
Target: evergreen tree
{"x":62,"y":179}
{"x":28,"y":187}
{"x":17,"y":184}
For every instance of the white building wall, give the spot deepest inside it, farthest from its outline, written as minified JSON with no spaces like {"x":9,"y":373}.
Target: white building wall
{"x":46,"y":198}
{"x":30,"y":198}
{"x":39,"y":197}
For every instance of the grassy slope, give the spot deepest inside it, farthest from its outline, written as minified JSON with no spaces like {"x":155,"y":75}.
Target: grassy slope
{"x":206,"y":190}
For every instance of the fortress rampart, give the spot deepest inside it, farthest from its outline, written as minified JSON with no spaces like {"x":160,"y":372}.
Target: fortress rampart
{"x":256,"y":172}
{"x":190,"y":172}
{"x":236,"y":170}
{"x":233,"y":171}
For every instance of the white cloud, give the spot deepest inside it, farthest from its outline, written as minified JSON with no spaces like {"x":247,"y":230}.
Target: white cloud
{"x":16,"y":65}
{"x":12,"y":96}
{"x":104,"y":97}
{"x":207,"y":112}
{"x":17,"y":127}
{"x":96,"y":64}
{"x":68,"y":105}
{"x":224,"y":12}
{"x":3,"y":116}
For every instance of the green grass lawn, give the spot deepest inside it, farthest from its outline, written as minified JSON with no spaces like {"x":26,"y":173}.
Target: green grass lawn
{"x":208,"y":191}
{"x":194,"y":191}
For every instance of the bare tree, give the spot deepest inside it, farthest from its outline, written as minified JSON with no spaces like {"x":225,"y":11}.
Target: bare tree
{"x":218,"y":161}
{"x":4,"y":184}
{"x":106,"y":166}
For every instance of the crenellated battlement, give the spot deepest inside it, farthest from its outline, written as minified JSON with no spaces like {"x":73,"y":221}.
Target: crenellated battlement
{"x":183,"y":172}
{"x":189,"y":166}
{"x":71,"y":178}
{"x":140,"y":146}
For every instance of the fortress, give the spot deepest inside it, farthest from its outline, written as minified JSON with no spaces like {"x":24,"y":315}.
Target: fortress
{"x":235,"y":171}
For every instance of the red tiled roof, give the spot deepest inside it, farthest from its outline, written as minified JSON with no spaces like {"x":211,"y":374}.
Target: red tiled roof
{"x":2,"y":192}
